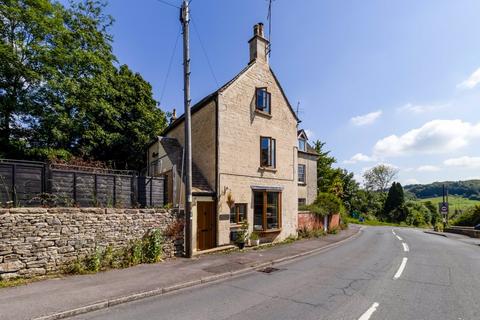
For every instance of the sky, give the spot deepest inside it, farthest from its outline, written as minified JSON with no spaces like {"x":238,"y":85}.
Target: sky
{"x":394,"y":82}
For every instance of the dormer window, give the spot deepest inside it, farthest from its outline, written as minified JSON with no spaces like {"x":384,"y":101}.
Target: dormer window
{"x":263,"y":100}
{"x":302,"y":144}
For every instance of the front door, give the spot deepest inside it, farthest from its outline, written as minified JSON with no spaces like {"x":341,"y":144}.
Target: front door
{"x":205,"y":225}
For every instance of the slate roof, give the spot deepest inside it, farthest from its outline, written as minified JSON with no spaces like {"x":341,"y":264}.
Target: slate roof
{"x":310,"y":149}
{"x":175,"y":153}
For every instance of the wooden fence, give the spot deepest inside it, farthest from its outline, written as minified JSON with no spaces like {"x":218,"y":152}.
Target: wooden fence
{"x":29,"y":183}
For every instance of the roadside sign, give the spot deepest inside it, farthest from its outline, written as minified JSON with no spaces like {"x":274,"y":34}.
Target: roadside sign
{"x":443,"y":208}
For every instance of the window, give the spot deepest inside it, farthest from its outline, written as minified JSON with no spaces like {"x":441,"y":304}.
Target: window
{"x":302,"y":145}
{"x":267,"y":210}
{"x":263,"y":100}
{"x":301,"y":173}
{"x":238,"y":213}
{"x":267,"y":152}
{"x":302,"y":202}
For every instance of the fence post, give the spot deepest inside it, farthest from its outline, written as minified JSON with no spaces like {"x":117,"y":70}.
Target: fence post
{"x":134,"y":187}
{"x":151,"y":191}
{"x":95,"y":193}
{"x":114,"y":191}
{"x":74,"y":186}
{"x":14,"y":193}
{"x":165,"y":190}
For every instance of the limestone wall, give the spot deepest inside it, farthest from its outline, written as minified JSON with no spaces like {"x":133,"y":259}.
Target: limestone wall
{"x":38,"y":241}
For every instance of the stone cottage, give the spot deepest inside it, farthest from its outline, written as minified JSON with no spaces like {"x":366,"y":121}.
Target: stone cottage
{"x":250,"y":160}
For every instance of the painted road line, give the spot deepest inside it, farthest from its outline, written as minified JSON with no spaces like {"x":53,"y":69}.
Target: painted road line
{"x":393,"y":231}
{"x":400,"y":270}
{"x":369,"y":312}
{"x":399,"y":238}
{"x":405,"y":247}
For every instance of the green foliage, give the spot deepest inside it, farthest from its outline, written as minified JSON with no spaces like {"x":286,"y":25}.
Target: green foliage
{"x":94,"y":262}
{"x":469,"y":218}
{"x":242,"y":234}
{"x":469,"y":189}
{"x":254,"y":236}
{"x":438,"y":227}
{"x":417,"y":214}
{"x":147,"y":250}
{"x":61,"y":92}
{"x":379,"y":177}
{"x":306,"y":233}
{"x":152,"y":246}
{"x":326,"y":204}
{"x":395,"y":199}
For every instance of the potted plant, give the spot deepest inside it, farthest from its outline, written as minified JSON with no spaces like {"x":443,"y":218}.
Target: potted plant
{"x":242,"y":235}
{"x":254,"y":239}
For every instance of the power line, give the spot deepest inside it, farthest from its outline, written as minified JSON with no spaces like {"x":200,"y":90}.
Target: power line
{"x":204,"y":51}
{"x":169,"y":67}
{"x":168,"y":4}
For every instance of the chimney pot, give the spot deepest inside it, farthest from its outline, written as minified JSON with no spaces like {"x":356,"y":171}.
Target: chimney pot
{"x":174,"y":115}
{"x":258,"y":44}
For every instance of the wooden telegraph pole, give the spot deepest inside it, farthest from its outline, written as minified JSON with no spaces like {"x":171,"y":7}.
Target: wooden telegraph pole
{"x":185,"y":20}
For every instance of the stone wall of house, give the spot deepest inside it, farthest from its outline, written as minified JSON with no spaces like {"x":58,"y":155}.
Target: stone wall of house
{"x":308,"y":191}
{"x":240,"y":128}
{"x":39,"y":241}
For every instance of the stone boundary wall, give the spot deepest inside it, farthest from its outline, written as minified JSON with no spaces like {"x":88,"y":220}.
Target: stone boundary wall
{"x":466,"y":231}
{"x":39,"y":241}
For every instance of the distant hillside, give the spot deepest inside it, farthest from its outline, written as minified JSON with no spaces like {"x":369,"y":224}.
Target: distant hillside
{"x":469,"y":189}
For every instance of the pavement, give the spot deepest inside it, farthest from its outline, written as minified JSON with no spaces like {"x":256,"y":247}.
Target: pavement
{"x":385,"y":273}
{"x":74,"y":295}
{"x":457,"y":237}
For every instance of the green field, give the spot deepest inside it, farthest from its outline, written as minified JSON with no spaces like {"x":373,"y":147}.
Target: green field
{"x":455,"y":203}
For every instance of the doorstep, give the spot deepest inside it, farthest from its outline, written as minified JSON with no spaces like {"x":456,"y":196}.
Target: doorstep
{"x":215,"y":250}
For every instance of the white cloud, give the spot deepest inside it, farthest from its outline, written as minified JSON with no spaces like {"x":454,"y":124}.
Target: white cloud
{"x":428,"y":168}
{"x":418,"y":109}
{"x":471,"y":82}
{"x":434,"y":137}
{"x":411,"y":181}
{"x":366,"y":119}
{"x":464,"y":162}
{"x":359,"y":157}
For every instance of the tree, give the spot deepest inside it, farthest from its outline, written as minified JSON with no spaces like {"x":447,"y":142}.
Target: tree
{"x":61,"y":92}
{"x":26,"y":45}
{"x":325,"y":173}
{"x":379,"y":177}
{"x":395,"y":199}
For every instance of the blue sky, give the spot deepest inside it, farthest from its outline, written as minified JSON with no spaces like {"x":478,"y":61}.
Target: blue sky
{"x":380,"y":81}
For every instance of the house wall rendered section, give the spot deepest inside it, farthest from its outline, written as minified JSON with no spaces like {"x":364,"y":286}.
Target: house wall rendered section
{"x":240,"y":129}
{"x":203,"y":140}
{"x":309,"y":189}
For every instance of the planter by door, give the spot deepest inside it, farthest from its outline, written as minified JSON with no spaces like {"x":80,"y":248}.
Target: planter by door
{"x":205,"y":225}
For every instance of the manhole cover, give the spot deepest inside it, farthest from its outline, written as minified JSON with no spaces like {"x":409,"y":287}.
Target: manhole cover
{"x":268,"y":270}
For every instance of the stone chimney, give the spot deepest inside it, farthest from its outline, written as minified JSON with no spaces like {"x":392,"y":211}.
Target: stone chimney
{"x":258,"y":44}
{"x":174,"y":116}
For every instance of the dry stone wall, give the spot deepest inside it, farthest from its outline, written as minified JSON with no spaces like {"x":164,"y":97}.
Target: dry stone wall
{"x":39,"y":241}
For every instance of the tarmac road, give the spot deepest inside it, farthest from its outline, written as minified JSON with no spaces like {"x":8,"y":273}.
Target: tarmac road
{"x":385,"y":273}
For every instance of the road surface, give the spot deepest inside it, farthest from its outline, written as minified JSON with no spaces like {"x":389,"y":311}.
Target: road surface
{"x":385,"y":273}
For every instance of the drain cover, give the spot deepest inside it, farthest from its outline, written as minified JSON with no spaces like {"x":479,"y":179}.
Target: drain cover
{"x":268,"y":270}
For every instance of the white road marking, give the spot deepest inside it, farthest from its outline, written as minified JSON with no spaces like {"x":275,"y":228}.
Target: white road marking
{"x":405,"y":247}
{"x":399,"y":238}
{"x":400,"y":270}
{"x":369,"y":312}
{"x":393,"y":231}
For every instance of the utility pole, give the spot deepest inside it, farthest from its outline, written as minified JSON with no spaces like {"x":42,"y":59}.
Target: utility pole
{"x":185,"y":19}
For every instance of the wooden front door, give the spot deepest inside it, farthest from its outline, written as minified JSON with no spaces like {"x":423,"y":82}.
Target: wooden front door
{"x":205,"y":225}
